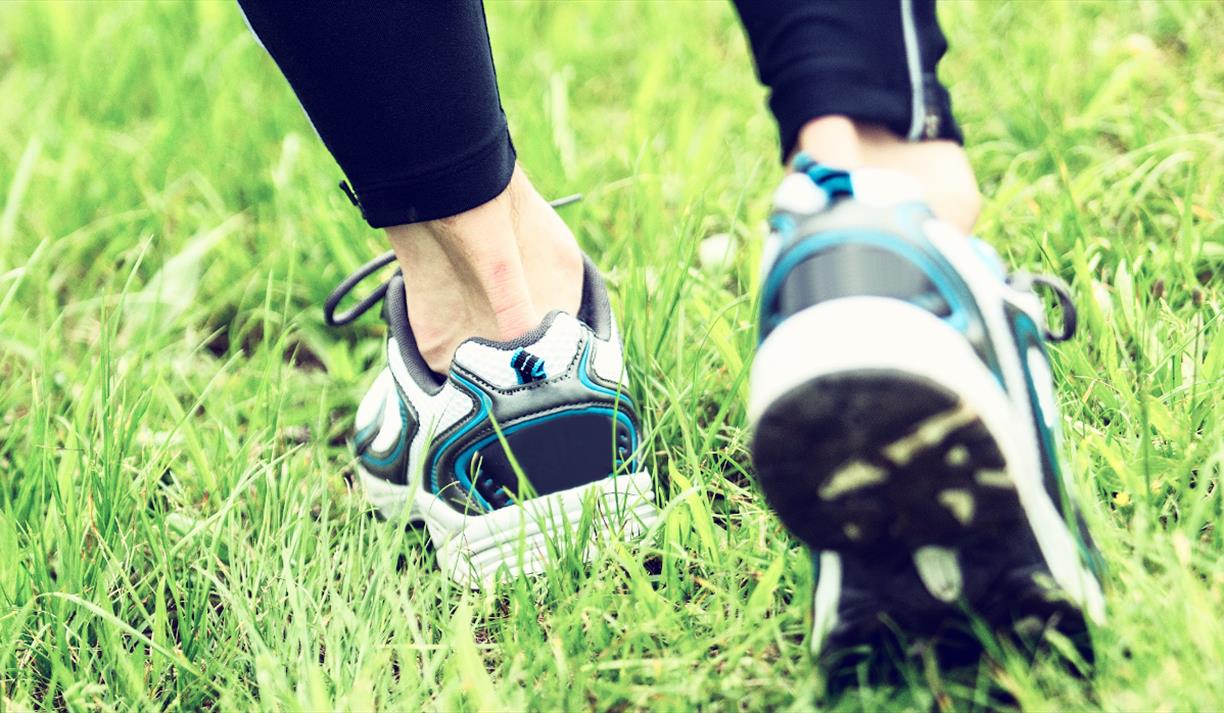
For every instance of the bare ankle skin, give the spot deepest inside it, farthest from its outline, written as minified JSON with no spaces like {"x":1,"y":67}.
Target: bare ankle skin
{"x":493,"y":271}
{"x":941,"y":167}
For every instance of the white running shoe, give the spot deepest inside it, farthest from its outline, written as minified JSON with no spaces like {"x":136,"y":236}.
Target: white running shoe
{"x":523,"y":449}
{"x":904,"y":420}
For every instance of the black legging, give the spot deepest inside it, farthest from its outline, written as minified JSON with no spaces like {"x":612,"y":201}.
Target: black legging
{"x":405,"y":97}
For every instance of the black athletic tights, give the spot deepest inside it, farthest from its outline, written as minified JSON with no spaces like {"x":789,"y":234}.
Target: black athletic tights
{"x":405,"y":96}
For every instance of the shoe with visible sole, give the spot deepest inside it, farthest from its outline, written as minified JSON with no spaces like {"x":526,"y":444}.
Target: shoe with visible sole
{"x":904,"y":425}
{"x":522,"y":450}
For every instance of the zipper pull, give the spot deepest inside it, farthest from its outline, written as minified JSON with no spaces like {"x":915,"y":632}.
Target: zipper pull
{"x":930,"y":125}
{"x":348,"y":192}
{"x":931,"y":122}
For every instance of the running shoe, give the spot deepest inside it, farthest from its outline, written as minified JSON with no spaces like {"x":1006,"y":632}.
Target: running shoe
{"x":523,"y":451}
{"x":905,"y":426}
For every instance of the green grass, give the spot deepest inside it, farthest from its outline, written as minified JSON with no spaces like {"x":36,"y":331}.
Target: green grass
{"x":174,"y":528}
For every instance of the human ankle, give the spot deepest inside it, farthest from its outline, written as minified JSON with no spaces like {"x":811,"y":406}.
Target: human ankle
{"x":552,"y":261}
{"x":832,"y":141}
{"x":492,"y":272}
{"x":940,"y":167}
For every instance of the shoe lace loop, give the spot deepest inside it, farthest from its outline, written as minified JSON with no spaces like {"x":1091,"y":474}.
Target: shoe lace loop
{"x":1030,"y":282}
{"x":332,"y":319}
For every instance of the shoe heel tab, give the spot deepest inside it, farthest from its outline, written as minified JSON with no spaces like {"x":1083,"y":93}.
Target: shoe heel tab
{"x":546,"y":351}
{"x":835,"y":183}
{"x":872,"y":186}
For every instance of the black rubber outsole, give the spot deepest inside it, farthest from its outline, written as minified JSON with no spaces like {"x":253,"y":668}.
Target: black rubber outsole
{"x":843,"y":462}
{"x":886,"y":616}
{"x":876,"y":465}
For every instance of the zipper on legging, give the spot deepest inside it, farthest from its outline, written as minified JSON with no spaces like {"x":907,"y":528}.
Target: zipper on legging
{"x":924,"y":120}
{"x":348,"y":192}
{"x":932,"y":120}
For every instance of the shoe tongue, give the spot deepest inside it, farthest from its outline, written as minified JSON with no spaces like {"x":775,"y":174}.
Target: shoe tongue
{"x":546,"y":351}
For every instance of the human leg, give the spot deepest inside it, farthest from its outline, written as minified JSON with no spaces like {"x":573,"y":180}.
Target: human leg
{"x":405,"y":97}
{"x":853,"y":83}
{"x":902,"y":413}
{"x":501,"y":417}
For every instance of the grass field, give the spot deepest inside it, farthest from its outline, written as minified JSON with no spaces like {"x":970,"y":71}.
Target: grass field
{"x":175,"y":530}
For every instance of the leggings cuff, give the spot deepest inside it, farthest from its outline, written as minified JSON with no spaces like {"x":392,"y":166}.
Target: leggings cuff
{"x":477,"y":179}
{"x":818,"y":94}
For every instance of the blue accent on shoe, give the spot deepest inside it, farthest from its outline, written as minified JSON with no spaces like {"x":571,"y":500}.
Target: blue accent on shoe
{"x":463,"y":461}
{"x":585,"y":378}
{"x":934,"y":265}
{"x":1027,"y":333}
{"x":481,"y":414}
{"x":485,"y":409}
{"x":527,"y":366}
{"x":803,"y":162}
{"x":373,"y":426}
{"x":782,"y":224}
{"x":399,"y":445}
{"x":834,"y":182}
{"x":368,"y":431}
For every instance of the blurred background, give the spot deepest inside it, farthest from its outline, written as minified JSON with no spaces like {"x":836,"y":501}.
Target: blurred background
{"x":175,"y":529}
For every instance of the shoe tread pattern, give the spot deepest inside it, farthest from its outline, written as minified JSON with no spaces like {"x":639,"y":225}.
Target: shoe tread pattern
{"x":809,"y":443}
{"x":804,"y":442}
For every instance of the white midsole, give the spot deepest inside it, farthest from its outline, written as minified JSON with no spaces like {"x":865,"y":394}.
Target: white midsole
{"x":477,"y":550}
{"x":854,"y":334}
